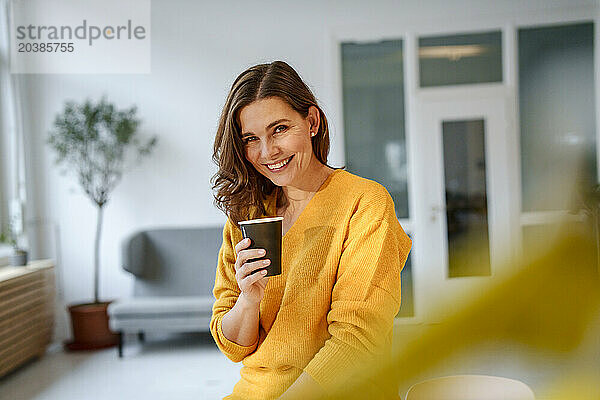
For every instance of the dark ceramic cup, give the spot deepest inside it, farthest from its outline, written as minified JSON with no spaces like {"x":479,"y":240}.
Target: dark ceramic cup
{"x":265,"y":233}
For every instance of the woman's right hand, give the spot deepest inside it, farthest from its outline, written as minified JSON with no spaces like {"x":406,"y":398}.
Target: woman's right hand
{"x":251,"y":285}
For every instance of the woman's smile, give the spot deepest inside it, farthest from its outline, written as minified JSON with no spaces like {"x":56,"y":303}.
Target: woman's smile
{"x":279,"y":166}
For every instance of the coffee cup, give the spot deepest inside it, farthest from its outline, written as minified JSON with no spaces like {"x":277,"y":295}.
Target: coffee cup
{"x":265,"y":233}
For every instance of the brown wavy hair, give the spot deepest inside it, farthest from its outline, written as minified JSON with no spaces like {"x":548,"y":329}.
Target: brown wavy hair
{"x":240,"y":188}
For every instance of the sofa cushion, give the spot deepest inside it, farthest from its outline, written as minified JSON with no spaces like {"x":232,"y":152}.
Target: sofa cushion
{"x":161,"y":307}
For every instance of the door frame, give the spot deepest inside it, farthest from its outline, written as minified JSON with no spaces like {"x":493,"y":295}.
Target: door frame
{"x":487,"y":103}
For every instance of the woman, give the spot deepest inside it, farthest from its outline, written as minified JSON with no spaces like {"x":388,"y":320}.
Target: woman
{"x":302,"y":333}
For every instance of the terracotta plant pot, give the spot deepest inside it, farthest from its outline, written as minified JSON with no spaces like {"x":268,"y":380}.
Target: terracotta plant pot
{"x":90,"y":327}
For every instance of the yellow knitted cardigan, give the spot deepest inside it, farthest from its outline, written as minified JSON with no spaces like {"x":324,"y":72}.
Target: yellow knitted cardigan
{"x":334,"y":304}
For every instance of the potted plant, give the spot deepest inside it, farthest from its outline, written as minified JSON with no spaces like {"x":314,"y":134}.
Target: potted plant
{"x":94,"y":140}
{"x":19,"y":256}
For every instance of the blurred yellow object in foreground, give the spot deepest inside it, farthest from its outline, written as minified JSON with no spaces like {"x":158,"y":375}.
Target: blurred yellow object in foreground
{"x":546,"y":306}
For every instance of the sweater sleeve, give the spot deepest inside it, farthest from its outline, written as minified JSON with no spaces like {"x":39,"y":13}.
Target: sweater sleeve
{"x":226,"y":292}
{"x":365,"y":297}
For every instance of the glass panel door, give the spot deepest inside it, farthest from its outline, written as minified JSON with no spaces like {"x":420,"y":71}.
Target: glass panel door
{"x":464,"y":187}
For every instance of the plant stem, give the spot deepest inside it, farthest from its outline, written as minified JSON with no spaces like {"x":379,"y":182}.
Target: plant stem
{"x":97,"y":255}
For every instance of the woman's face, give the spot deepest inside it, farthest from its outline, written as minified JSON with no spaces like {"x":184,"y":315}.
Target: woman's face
{"x":277,"y":139}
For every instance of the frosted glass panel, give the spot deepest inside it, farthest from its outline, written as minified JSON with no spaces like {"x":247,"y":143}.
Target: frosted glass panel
{"x":460,"y":59}
{"x":466,"y":198}
{"x":537,"y":240}
{"x":374,"y":133}
{"x":557,"y":111}
{"x":407,"y":308}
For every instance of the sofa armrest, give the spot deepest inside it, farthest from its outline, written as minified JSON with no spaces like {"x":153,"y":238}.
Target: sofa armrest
{"x":133,"y":251}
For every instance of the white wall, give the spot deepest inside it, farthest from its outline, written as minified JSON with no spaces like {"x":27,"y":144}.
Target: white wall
{"x":198,"y":48}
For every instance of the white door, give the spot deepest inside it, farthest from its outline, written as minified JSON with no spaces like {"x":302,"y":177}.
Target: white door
{"x":464,"y":217}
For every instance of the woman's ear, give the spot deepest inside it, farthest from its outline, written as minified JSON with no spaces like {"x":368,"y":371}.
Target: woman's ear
{"x":313,"y":120}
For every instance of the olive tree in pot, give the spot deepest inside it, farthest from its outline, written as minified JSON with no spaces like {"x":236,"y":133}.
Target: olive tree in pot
{"x":96,"y":142}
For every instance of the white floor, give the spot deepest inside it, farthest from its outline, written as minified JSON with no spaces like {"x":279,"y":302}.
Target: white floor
{"x":191,"y":367}
{"x":184,"y":367}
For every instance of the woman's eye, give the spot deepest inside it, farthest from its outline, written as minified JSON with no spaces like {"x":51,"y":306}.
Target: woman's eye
{"x":280,"y":126}
{"x":248,"y":139}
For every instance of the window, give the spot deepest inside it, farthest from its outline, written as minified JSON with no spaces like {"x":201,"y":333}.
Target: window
{"x":374,"y":123}
{"x":4,"y":137}
{"x":11,"y":143}
{"x":557,"y":112}
{"x":460,"y":59}
{"x":407,"y":308}
{"x":466,"y":198}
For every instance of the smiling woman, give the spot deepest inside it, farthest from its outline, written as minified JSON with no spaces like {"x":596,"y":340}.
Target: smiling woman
{"x":306,"y":332}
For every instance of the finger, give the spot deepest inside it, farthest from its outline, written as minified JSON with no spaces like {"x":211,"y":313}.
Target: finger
{"x":244,"y":255}
{"x":253,"y":278}
{"x":242,"y":244}
{"x":250,"y":254}
{"x":249,"y":268}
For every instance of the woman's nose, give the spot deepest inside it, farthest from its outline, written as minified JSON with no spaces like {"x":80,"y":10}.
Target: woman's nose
{"x":269,"y":150}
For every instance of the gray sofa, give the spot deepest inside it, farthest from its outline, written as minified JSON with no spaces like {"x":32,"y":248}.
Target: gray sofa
{"x":174,"y":272}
